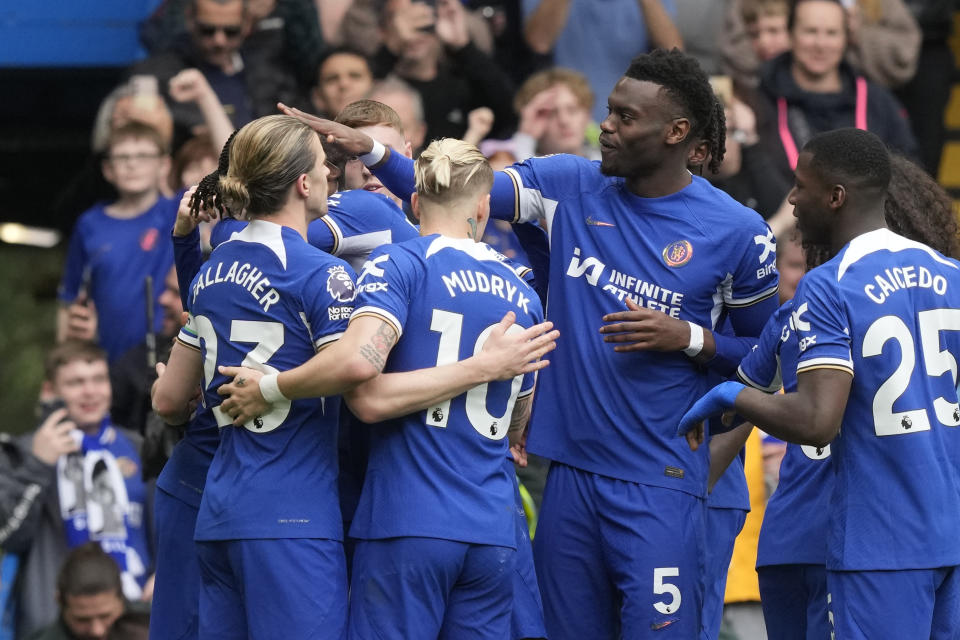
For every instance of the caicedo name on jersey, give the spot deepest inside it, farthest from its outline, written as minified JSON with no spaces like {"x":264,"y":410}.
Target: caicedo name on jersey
{"x":244,"y":275}
{"x":892,"y":280}
{"x":466,"y":280}
{"x":643,"y":293}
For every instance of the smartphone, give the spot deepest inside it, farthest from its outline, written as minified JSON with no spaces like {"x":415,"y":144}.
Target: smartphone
{"x":47,"y":407}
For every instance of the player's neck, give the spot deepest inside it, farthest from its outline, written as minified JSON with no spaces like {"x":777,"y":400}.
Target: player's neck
{"x":130,"y":205}
{"x":855,"y":224}
{"x":664,"y":181}
{"x":293,"y":217}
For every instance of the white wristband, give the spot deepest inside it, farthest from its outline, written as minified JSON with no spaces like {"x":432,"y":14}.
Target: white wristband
{"x":270,"y":390}
{"x":376,"y":155}
{"x":696,"y":340}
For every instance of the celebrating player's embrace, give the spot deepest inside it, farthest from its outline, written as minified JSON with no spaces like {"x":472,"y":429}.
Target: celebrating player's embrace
{"x":661,"y":284}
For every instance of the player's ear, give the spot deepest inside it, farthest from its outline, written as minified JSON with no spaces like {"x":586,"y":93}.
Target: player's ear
{"x":483,"y":215}
{"x":415,"y":205}
{"x":677,"y":130}
{"x":303,"y":185}
{"x":838,"y":196}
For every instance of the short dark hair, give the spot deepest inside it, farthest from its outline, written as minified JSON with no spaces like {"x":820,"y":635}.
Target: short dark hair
{"x":369,"y":113}
{"x":689,"y":88}
{"x":71,"y":351}
{"x":88,"y":571}
{"x":852,"y":157}
{"x":342,"y":50}
{"x":792,"y":15}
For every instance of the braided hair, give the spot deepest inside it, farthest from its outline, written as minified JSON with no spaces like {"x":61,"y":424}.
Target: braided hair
{"x":207,"y":195}
{"x":689,"y":88}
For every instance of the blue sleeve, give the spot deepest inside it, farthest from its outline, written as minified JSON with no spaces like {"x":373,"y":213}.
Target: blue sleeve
{"x":397,"y":176}
{"x":187,"y":258}
{"x":761,"y":368}
{"x":387,"y":284}
{"x":328,"y":300}
{"x":73,"y":270}
{"x":730,"y":351}
{"x":540,"y":183}
{"x":225,"y":228}
{"x":821,"y":324}
{"x":322,"y":235}
{"x":754,"y":276}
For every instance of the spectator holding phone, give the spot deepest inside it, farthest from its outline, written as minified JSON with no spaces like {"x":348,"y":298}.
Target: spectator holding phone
{"x":78,"y":473}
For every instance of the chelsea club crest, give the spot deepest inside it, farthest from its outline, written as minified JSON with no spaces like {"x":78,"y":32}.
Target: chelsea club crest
{"x":677,"y":254}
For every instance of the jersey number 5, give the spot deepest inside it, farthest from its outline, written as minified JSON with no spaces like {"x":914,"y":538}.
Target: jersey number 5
{"x":450,"y":327}
{"x":937,"y":362}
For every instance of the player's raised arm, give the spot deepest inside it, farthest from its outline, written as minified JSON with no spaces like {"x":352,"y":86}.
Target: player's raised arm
{"x":395,"y":169}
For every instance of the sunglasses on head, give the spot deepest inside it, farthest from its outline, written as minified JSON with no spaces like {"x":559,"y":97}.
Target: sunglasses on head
{"x":209,"y":30}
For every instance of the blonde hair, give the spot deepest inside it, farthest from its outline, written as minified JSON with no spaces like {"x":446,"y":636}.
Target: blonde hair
{"x":266,"y":157}
{"x":451,"y":169}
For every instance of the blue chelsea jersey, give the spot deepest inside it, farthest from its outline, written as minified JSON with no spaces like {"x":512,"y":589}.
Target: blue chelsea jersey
{"x":267,"y":300}
{"x":694,"y":255}
{"x":887,"y":309}
{"x":439,"y":473}
{"x":358,"y":222}
{"x":794,"y":529}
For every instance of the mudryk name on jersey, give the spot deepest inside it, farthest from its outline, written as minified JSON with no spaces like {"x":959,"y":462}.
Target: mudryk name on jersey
{"x":464,"y":280}
{"x":622,"y":285}
{"x":241,"y":274}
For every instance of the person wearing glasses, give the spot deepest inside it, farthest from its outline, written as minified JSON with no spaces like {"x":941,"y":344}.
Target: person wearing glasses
{"x":246,"y":67}
{"x":116,"y":245}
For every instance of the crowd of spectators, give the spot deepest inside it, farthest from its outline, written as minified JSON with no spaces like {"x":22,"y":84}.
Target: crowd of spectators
{"x":519,"y":79}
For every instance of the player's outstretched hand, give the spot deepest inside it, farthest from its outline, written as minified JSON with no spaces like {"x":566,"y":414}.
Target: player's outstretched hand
{"x":511,"y":351}
{"x":350,"y":140}
{"x":640,"y":329}
{"x":244,"y":402}
{"x":714,"y":403}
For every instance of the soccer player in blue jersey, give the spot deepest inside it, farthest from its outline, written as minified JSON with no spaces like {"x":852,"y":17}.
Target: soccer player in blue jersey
{"x":436,"y":516}
{"x":620,"y":536}
{"x":268,"y":531}
{"x":791,"y":557}
{"x":877,"y":343}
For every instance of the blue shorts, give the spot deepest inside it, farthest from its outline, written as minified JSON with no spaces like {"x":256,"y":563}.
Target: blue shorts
{"x":176,"y":586}
{"x":430,"y":589}
{"x":794,"y":599}
{"x":526,"y":619}
{"x":618,"y":559}
{"x":264,"y":589}
{"x":722,"y":527}
{"x":919,"y":603}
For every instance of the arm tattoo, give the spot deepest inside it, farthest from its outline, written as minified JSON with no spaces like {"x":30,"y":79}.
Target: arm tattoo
{"x":473,"y":228}
{"x":376,"y":351}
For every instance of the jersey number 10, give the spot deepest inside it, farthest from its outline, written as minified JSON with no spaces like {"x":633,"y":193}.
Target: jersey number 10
{"x":450,"y":327}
